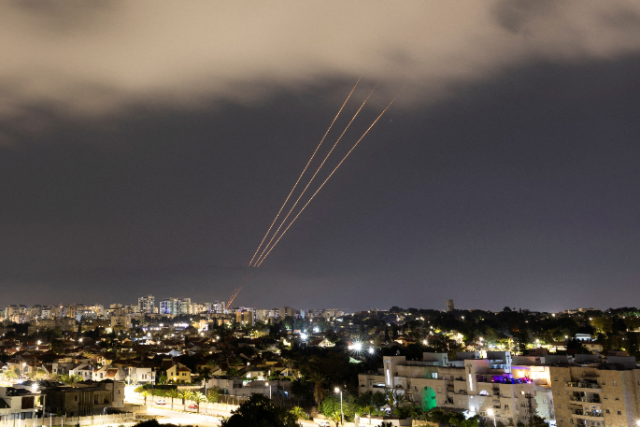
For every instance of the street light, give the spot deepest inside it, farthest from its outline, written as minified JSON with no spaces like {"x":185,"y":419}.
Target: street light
{"x":339,"y":390}
{"x":269,"y":389}
{"x":492,"y":414}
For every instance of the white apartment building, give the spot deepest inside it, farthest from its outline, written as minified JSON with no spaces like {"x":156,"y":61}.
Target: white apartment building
{"x":176,"y":306}
{"x":479,"y":386}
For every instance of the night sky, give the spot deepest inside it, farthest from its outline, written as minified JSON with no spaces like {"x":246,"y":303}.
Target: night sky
{"x":146,"y":149}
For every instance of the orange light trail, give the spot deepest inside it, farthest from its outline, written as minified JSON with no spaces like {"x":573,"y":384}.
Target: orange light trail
{"x":325,"y":181}
{"x":302,"y":173}
{"x":312,"y":178}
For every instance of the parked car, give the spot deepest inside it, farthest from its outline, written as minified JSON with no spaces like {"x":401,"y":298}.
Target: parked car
{"x":160,"y":402}
{"x":193,"y":406}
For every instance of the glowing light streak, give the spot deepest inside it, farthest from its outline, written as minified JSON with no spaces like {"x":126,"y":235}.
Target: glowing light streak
{"x":303,"y":171}
{"x":313,"y":177}
{"x":327,"y":179}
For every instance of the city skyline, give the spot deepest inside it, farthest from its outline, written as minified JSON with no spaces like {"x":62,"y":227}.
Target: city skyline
{"x":152,"y":158}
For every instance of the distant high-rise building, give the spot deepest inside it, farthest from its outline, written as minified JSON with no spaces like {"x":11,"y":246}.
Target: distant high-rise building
{"x":176,"y":306}
{"x":450,"y":305}
{"x":146,"y":304}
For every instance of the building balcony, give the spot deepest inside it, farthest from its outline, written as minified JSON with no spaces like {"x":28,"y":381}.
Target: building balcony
{"x":585,"y":399}
{"x":582,"y":384}
{"x":589,"y":415}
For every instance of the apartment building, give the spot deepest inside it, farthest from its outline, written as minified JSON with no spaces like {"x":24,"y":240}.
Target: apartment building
{"x":122,"y":321}
{"x":592,"y":391}
{"x":18,"y":403}
{"x":475,"y":385}
{"x":176,"y":306}
{"x":146,"y":304}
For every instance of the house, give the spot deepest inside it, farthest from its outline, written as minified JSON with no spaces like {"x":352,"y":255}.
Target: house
{"x":178,"y":373}
{"x":108,"y":373}
{"x":18,"y":403}
{"x":87,"y":399}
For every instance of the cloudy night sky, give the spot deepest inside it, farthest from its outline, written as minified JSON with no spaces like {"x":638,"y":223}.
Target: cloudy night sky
{"x":145,"y":147}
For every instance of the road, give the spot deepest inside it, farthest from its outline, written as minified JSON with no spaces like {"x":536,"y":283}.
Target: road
{"x":177,"y":416}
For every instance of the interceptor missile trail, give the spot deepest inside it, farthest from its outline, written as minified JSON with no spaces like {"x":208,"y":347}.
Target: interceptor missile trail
{"x":313,"y":177}
{"x":325,"y":181}
{"x":302,"y":173}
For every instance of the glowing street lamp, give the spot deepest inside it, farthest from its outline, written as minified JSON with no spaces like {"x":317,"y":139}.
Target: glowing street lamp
{"x":492,"y":414}
{"x":267,"y":384}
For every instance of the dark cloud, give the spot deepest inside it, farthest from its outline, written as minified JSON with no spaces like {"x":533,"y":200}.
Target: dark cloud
{"x":516,"y":15}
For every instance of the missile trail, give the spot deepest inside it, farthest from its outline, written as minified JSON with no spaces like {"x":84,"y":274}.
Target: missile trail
{"x":325,"y":181}
{"x":313,"y":177}
{"x":303,"y":171}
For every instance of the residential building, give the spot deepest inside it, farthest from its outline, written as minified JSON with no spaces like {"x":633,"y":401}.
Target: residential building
{"x":179,"y":374}
{"x":87,"y":398}
{"x":121,"y":321}
{"x":18,"y":403}
{"x":477,"y":386}
{"x":176,"y":306}
{"x":594,"y":392}
{"x":146,"y":304}
{"x":286,"y":311}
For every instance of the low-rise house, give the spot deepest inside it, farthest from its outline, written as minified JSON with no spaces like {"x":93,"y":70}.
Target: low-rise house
{"x":179,"y":373}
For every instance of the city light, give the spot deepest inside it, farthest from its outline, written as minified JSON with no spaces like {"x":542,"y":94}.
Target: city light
{"x":304,"y":336}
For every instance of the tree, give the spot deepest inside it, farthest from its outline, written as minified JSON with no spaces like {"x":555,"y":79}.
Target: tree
{"x":318,"y":379}
{"x":603,"y":324}
{"x":336,"y":417}
{"x":395,"y":397}
{"x":184,"y":395}
{"x":70,"y":379}
{"x":368,"y":411}
{"x":173,"y":394}
{"x":299,"y":413}
{"x":537,"y":421}
{"x":198,"y":398}
{"x":145,"y":394}
{"x":57,"y":346}
{"x":213,"y":395}
{"x":258,"y":411}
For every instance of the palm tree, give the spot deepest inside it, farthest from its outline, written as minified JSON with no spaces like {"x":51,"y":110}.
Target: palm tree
{"x":394,"y":397}
{"x":336,"y":418}
{"x":299,"y":413}
{"x":69,"y":379}
{"x":368,"y":410}
{"x":198,"y":398}
{"x":173,"y":394}
{"x":184,"y":395}
{"x":318,"y":379}
{"x":145,"y":394}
